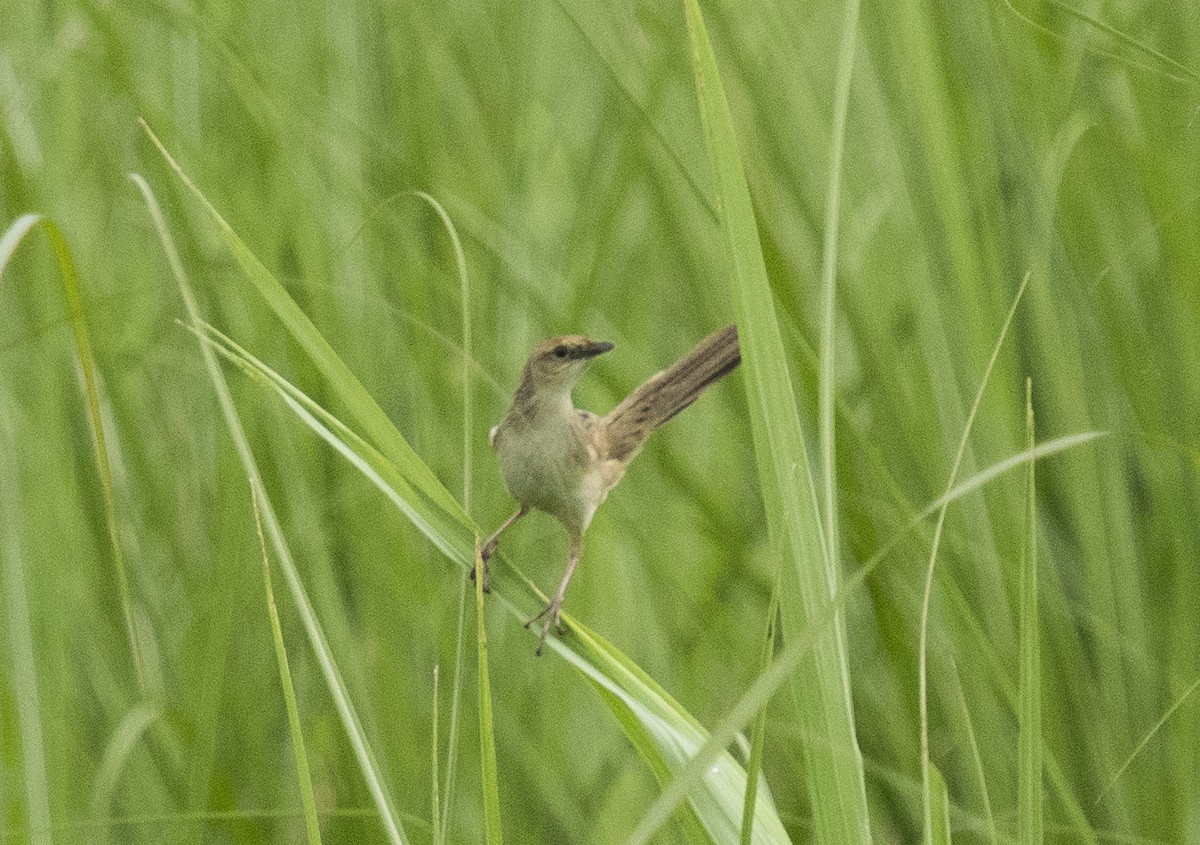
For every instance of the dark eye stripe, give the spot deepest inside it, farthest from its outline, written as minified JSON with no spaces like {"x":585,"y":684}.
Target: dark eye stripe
{"x":560,"y":351}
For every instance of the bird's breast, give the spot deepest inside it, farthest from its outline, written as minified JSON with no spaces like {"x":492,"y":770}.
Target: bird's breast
{"x":546,"y":461}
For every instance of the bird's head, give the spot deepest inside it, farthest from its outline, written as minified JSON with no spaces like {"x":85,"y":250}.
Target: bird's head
{"x":555,"y":365}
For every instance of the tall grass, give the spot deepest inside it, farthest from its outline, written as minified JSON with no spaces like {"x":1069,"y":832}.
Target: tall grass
{"x":566,"y":143}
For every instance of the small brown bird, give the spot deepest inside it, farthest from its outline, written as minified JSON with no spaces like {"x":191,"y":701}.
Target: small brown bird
{"x":562,"y":460}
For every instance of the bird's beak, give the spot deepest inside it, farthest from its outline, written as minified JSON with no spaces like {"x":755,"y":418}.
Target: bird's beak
{"x":596,"y":347}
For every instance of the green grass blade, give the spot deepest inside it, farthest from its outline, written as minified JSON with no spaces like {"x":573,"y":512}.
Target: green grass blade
{"x":460,"y":636}
{"x":363,"y":752}
{"x":976,"y":758}
{"x":833,"y":762}
{"x":124,"y":741}
{"x":487,"y":733}
{"x":360,"y":404}
{"x":1175,"y":705}
{"x":1029,"y":750}
{"x":299,"y":756}
{"x":833,"y":203}
{"x":797,"y":648}
{"x":435,"y":808}
{"x":939,"y":831}
{"x":923,"y":644}
{"x":759,"y":731}
{"x":32,"y":767}
{"x":83,"y":348}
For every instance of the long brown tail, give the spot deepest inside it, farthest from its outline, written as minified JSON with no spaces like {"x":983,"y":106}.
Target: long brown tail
{"x":667,"y":393}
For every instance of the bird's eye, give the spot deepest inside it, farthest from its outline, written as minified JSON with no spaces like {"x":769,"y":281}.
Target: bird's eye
{"x":560,"y":351}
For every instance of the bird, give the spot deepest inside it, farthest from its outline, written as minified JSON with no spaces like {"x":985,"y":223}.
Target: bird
{"x":564,"y":460}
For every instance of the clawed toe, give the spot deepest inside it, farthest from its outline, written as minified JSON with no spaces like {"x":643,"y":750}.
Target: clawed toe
{"x":489,"y":549}
{"x":551,"y":615}
{"x":487,"y":575}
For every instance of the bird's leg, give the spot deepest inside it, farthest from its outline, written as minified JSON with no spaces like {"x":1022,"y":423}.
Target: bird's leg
{"x":551,"y":612}
{"x":489,"y":548}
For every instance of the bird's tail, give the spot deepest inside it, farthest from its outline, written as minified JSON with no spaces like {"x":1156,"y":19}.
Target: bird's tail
{"x":667,"y":393}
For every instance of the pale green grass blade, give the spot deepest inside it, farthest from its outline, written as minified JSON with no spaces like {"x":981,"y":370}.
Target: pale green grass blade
{"x":1029,"y":750}
{"x":363,"y":752}
{"x":460,"y":629}
{"x":83,"y":348}
{"x":797,"y":648}
{"x":1175,"y":705}
{"x":493,"y":835}
{"x":460,"y":262}
{"x":361,"y":405}
{"x":125,"y":739}
{"x":435,"y":808}
{"x":758,"y":732}
{"x":34,"y":780}
{"x":976,"y":758}
{"x":939,"y":831}
{"x":829,"y":266}
{"x":299,"y":755}
{"x":923,"y":645}
{"x":833,"y":767}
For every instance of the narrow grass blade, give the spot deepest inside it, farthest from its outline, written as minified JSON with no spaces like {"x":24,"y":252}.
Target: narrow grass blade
{"x":83,"y":348}
{"x":1029,"y":751}
{"x":435,"y":814}
{"x":299,"y":756}
{"x":129,"y":732}
{"x":487,"y":735}
{"x":833,"y":202}
{"x":360,"y":404}
{"x":833,"y":767}
{"x":759,"y":731}
{"x":363,"y":752}
{"x":797,"y":648}
{"x":460,"y":261}
{"x":27,"y":700}
{"x":976,"y":758}
{"x":939,"y":831}
{"x":923,"y":644}
{"x":460,"y":637}
{"x":1146,"y":739}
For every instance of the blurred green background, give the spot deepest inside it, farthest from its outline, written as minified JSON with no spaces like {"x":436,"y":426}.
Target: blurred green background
{"x":984,"y":141}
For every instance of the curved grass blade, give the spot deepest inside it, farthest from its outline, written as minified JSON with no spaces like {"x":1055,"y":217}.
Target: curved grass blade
{"x":125,"y":738}
{"x":798,"y":647}
{"x":27,"y":701}
{"x":12,"y":238}
{"x":363,"y":752}
{"x":923,"y":642}
{"x":359,"y":403}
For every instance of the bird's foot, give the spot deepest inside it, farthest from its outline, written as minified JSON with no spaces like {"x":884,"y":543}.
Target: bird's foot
{"x":487,"y":576}
{"x":489,"y":549}
{"x":551,"y":617}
